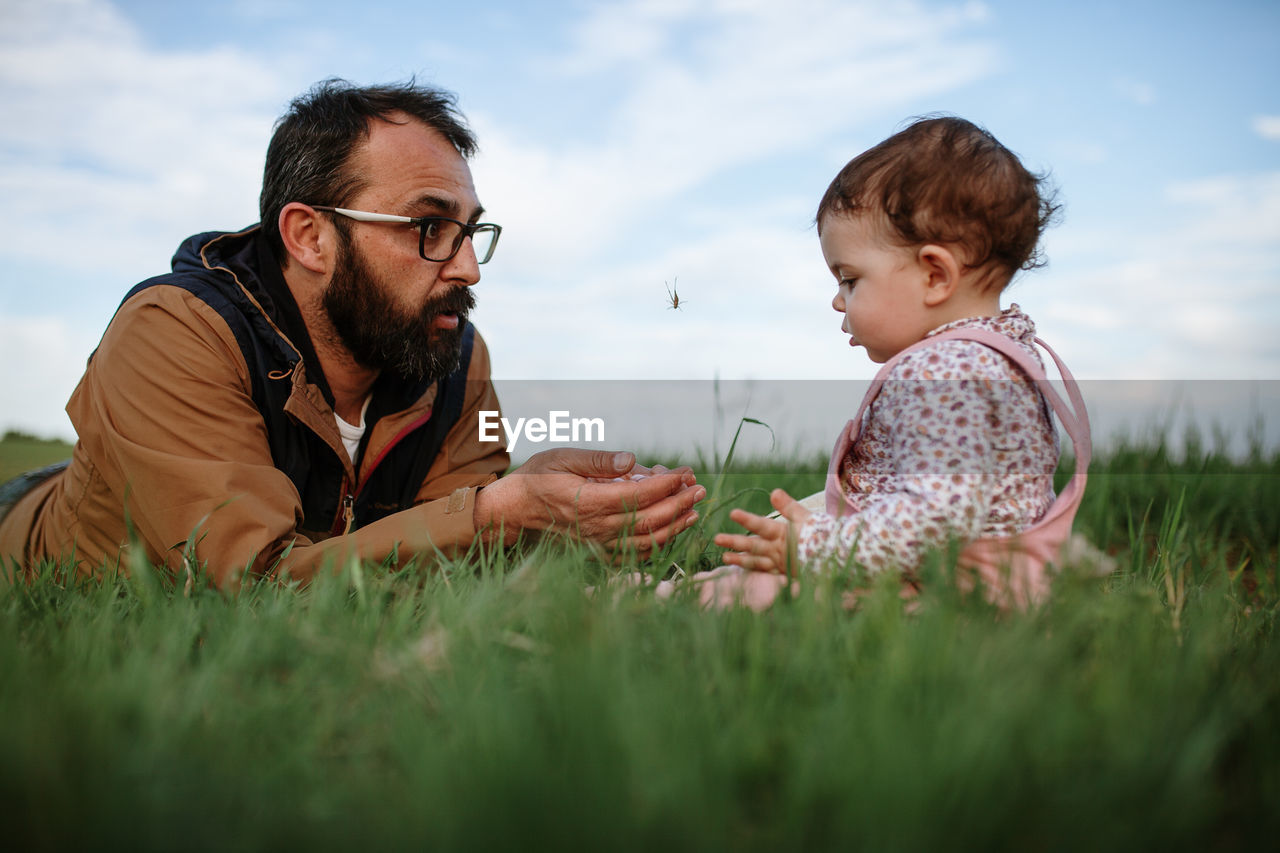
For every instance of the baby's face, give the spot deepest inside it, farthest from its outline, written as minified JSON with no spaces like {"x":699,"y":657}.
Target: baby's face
{"x":881,"y":286}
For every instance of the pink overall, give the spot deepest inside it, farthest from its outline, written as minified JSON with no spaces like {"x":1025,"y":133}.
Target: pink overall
{"x":1013,"y":569}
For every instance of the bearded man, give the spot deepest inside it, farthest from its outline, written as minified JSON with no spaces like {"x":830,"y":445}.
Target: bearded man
{"x":307,"y":391}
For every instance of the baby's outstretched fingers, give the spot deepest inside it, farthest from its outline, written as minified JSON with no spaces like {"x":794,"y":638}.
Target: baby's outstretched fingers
{"x":750,"y":552}
{"x":758,"y":524}
{"x":766,"y":549}
{"x":789,"y":508}
{"x":733,"y":541}
{"x":752,"y":562}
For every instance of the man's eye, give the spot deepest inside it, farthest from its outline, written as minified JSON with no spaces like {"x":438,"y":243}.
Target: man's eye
{"x":431,"y":230}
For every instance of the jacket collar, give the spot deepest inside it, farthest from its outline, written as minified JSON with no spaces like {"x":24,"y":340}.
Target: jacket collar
{"x":248,"y":256}
{"x":284,"y":308}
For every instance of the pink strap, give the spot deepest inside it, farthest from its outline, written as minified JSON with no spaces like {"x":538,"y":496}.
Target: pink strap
{"x":1074,"y":417}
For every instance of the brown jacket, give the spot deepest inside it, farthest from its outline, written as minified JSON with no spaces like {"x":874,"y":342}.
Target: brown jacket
{"x":173,"y":454}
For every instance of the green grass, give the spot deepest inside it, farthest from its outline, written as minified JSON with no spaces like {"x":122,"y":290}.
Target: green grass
{"x":21,"y":452}
{"x":488,"y":703}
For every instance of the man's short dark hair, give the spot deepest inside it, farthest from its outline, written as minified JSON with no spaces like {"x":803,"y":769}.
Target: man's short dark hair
{"x":311,"y":147}
{"x":947,"y":180}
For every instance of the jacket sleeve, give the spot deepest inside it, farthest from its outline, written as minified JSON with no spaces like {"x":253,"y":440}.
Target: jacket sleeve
{"x":166,"y":412}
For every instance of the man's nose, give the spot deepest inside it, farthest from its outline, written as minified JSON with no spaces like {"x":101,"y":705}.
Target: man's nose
{"x":462,"y":268}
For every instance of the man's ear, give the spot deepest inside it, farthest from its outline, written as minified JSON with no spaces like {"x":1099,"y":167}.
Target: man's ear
{"x":307,"y":237}
{"x":942,"y":271}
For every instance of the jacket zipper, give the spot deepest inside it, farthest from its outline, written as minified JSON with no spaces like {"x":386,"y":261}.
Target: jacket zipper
{"x":348,"y":512}
{"x":347,"y":515}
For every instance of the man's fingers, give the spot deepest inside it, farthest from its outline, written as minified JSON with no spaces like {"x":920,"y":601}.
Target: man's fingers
{"x":644,"y":541}
{"x":672,"y":508}
{"x":654,"y":489}
{"x":585,"y":463}
{"x":645,"y":505}
{"x":638,"y":532}
{"x":607,"y":465}
{"x":640,"y":472}
{"x":629,"y":496}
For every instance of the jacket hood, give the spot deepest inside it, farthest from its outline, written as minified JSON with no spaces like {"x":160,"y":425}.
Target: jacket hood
{"x":231,"y":249}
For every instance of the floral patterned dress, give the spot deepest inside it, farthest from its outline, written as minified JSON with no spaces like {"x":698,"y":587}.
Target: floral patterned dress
{"x":958,"y":444}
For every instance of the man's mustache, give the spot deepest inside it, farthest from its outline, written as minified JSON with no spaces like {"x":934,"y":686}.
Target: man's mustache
{"x":459,"y":300}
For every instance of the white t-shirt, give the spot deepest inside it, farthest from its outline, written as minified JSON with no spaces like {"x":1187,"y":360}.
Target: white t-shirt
{"x":351,"y":435}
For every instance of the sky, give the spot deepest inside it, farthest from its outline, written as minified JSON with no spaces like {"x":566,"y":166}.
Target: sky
{"x":628,"y":147}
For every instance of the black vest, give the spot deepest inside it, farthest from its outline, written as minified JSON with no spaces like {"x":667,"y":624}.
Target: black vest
{"x":312,"y":465}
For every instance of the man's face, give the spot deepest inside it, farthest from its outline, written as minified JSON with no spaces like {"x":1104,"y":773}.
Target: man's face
{"x":391,"y":309}
{"x":382,"y":334}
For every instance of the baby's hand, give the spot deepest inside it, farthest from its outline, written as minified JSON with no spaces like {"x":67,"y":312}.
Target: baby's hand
{"x":773,"y":547}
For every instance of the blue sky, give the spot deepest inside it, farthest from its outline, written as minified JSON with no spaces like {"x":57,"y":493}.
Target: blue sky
{"x":626,"y":145}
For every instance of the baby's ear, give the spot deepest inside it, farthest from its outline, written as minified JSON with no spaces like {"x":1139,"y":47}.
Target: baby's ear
{"x":942,"y":271}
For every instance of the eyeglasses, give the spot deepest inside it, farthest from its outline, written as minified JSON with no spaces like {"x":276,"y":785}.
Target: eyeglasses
{"x":439,"y":238}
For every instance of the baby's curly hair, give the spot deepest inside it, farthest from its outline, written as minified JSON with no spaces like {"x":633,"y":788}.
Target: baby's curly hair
{"x":945,"y":180}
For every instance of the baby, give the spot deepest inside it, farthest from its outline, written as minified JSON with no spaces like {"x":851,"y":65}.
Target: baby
{"x":954,"y":440}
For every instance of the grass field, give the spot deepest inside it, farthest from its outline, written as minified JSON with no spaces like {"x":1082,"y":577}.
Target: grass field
{"x":22,"y":452}
{"x":489,"y":704}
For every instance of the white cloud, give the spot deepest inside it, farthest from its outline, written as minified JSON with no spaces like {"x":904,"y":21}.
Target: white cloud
{"x":1194,"y":299}
{"x":265,"y":10}
{"x":754,"y":303}
{"x":1085,"y":151}
{"x":752,"y":80}
{"x":1242,"y":211}
{"x":1138,"y":92}
{"x":127,"y":146}
{"x":44,"y":358}
{"x":111,"y":152}
{"x":594,"y":226}
{"x":621,"y":34}
{"x":1268,"y":127}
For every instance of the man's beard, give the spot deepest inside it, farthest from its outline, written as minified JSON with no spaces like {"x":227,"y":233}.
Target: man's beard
{"x":380,"y":335}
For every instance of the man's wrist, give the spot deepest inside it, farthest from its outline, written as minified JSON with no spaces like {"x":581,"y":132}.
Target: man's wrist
{"x":489,"y":519}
